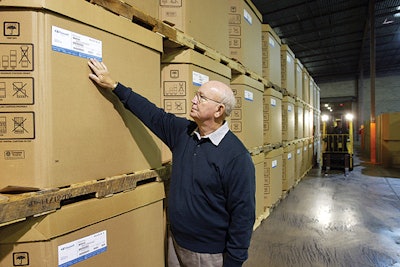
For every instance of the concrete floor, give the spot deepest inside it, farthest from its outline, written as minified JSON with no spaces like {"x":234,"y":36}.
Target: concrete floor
{"x":334,"y":221}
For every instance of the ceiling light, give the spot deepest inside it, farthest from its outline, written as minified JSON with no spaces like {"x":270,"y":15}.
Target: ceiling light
{"x":398,"y":8}
{"x":397,"y":15}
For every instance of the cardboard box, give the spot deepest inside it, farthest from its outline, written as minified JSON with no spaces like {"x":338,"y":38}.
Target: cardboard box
{"x":310,"y":153}
{"x":272,"y":116}
{"x":59,"y":128}
{"x":288,"y":118}
{"x":306,"y":121}
{"x":273,"y":177}
{"x":247,"y":118}
{"x":299,"y":159}
{"x":288,"y":70}
{"x":258,"y":161}
{"x":306,"y":86}
{"x":245,"y":44}
{"x":204,"y":20}
{"x":299,"y":120}
{"x":271,"y":55}
{"x":299,"y":79}
{"x":127,"y":229}
{"x":304,"y":162}
{"x":288,"y":169}
{"x":149,"y":7}
{"x":182,"y":73}
{"x":312,"y":90}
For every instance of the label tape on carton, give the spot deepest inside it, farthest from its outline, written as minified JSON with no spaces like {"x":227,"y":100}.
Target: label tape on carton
{"x":75,"y":44}
{"x":199,"y":79}
{"x":82,"y":249}
{"x":248,"y":95}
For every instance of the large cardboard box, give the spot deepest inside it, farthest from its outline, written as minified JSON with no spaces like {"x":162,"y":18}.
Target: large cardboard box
{"x":245,"y":44}
{"x":272,"y":116}
{"x":247,"y":118}
{"x":306,"y":86}
{"x":288,"y":118}
{"x":204,"y":20}
{"x":58,"y":128}
{"x":299,"y":120}
{"x":127,"y":229}
{"x":182,"y":73}
{"x":273,"y":177}
{"x":288,"y":169}
{"x":271,"y":55}
{"x":304,"y":163}
{"x":299,"y":159}
{"x":258,"y":161}
{"x":288,"y":69}
{"x":307,"y":122}
{"x":312,"y":92}
{"x":299,"y":78}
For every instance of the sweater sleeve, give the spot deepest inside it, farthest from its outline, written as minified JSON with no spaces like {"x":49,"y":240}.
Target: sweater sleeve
{"x":161,"y":123}
{"x":240,"y":186}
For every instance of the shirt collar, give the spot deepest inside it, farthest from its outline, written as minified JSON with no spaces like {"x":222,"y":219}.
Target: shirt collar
{"x":216,"y":136}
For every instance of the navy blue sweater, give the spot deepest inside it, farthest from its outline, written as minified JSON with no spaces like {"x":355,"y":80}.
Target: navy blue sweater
{"x":211,"y":203}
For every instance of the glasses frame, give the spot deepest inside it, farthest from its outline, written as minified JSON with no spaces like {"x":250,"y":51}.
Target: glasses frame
{"x":201,"y":99}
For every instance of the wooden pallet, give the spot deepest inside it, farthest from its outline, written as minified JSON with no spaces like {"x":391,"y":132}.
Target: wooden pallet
{"x":173,"y":38}
{"x":16,"y":207}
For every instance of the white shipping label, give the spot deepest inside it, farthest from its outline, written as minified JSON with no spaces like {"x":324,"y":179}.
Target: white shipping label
{"x":273,"y":102}
{"x":199,"y":79}
{"x":248,"y":95}
{"x":298,"y":151}
{"x":290,"y":108}
{"x":75,"y":44}
{"x":271,"y":42}
{"x":82,"y":249}
{"x":247,"y":17}
{"x":274,"y":164}
{"x":289,"y":155}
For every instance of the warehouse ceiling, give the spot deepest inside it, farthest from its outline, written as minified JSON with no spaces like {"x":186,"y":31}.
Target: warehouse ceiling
{"x":332,"y":37}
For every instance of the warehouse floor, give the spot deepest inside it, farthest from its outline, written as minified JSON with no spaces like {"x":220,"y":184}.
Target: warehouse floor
{"x":334,"y":221}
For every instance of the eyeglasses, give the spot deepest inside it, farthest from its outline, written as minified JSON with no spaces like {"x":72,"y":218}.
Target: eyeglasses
{"x":201,"y":98}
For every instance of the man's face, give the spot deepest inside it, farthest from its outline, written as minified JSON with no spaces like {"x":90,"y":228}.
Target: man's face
{"x":205,"y":104}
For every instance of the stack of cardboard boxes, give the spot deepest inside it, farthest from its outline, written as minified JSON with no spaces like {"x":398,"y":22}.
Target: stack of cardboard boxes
{"x":57,"y":129}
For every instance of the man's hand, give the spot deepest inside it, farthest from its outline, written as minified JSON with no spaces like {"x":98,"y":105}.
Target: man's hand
{"x":100,"y":74}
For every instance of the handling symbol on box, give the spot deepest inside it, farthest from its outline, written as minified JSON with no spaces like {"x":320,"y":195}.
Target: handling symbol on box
{"x":20,"y":259}
{"x":20,"y":92}
{"x":19,"y":127}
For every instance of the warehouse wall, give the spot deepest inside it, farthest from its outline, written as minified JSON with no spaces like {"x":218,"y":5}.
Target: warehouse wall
{"x":387,"y":96}
{"x":338,"y":89}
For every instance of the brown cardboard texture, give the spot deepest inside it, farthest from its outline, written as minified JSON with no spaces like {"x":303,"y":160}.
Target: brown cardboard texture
{"x":271,"y":55}
{"x":245,"y":43}
{"x":299,"y":78}
{"x":272,"y":109}
{"x":247,"y":118}
{"x":288,"y":69}
{"x":126,"y":229}
{"x":58,"y":128}
{"x":204,"y":20}
{"x":288,"y":169}
{"x":258,"y":161}
{"x":273,"y":177}
{"x":288,"y":117}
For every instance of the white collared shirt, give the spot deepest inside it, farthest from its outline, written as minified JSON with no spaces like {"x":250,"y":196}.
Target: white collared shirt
{"x":216,"y":136}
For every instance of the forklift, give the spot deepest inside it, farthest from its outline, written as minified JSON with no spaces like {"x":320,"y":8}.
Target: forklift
{"x":337,"y":145}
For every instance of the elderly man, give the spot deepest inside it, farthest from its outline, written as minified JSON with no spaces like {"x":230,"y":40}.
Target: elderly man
{"x":211,"y":203}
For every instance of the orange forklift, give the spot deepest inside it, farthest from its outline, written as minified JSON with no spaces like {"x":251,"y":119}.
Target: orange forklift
{"x":337,"y":145}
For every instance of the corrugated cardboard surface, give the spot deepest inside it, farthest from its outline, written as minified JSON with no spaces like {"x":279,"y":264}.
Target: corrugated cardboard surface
{"x":245,"y":42}
{"x":299,"y":160}
{"x":288,"y":170}
{"x":205,"y":20}
{"x":271,"y":55}
{"x":68,"y":131}
{"x":306,"y":86}
{"x":180,"y":72}
{"x":272,"y":116}
{"x":258,"y":161}
{"x":299,"y":120}
{"x":247,"y":117}
{"x":288,"y":69}
{"x":273,"y":177}
{"x":133,"y":223}
{"x":288,"y":118}
{"x":299,"y":79}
